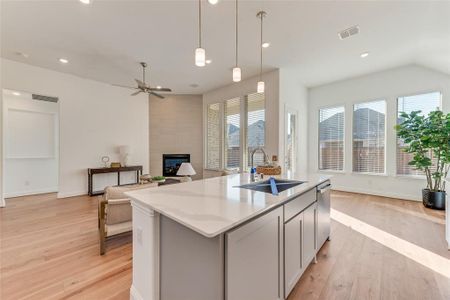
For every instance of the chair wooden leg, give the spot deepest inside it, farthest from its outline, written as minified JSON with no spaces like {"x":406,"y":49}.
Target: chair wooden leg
{"x":102,"y":245}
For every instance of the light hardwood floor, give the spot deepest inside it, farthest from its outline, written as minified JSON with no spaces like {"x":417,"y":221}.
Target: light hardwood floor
{"x":49,"y":250}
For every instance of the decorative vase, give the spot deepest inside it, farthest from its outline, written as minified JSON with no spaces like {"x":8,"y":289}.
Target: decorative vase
{"x":434,"y":200}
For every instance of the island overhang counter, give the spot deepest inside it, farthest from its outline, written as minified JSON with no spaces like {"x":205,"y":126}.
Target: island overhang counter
{"x":210,"y":239}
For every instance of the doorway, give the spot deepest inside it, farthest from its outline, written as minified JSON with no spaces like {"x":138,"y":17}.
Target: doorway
{"x":290,"y":138}
{"x":30,"y":144}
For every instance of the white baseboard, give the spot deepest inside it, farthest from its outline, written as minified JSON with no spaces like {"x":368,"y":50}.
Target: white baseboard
{"x":134,"y":294}
{"x":32,"y":192}
{"x":71,"y":194}
{"x":378,"y":193}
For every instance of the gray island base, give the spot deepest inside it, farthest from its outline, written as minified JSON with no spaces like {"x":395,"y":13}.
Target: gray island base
{"x":208,"y":239}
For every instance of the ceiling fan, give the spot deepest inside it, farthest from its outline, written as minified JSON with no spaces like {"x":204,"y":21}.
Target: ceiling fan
{"x":142,"y":86}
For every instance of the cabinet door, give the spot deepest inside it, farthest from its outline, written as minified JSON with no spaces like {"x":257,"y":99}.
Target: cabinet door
{"x":309,"y":233}
{"x":253,"y":259}
{"x":293,"y":244}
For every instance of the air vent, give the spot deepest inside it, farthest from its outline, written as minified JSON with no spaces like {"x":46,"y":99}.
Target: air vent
{"x":44,"y":98}
{"x":349,"y":32}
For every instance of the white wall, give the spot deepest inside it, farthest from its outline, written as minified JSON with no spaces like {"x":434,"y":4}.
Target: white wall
{"x":388,"y":85}
{"x":95,"y":118}
{"x":246,"y":87}
{"x":176,"y":128}
{"x":30,"y":168}
{"x":294,"y":96}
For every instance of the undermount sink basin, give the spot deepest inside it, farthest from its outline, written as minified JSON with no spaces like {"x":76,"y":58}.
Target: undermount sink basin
{"x":266,"y":187}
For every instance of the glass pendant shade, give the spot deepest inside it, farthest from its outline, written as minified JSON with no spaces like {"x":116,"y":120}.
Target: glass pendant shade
{"x":260,"y":87}
{"x":236,"y":74}
{"x":200,"y":57}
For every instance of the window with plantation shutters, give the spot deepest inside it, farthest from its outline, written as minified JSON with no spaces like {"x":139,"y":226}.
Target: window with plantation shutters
{"x":425,"y":103}
{"x":213,"y":136}
{"x":331,"y":138}
{"x":256,"y":127}
{"x":232,"y":133}
{"x":369,"y":137}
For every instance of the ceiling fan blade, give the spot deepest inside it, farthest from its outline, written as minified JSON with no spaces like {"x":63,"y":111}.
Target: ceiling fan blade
{"x":134,"y":94}
{"x":125,"y":86}
{"x":155,"y":94}
{"x":160,"y":89}
{"x":141,"y":85}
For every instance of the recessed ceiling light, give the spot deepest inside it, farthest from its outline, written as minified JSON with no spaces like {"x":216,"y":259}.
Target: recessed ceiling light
{"x":265,"y":45}
{"x":16,"y":93}
{"x":208,"y":61}
{"x":364,"y":55}
{"x":85,"y":1}
{"x":213,"y":2}
{"x":63,"y":60}
{"x":159,"y":87}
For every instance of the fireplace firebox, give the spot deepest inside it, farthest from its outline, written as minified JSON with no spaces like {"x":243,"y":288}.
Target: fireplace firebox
{"x":172,"y":162}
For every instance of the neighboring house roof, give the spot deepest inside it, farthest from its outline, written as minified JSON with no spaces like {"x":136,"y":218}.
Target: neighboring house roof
{"x":255,"y":134}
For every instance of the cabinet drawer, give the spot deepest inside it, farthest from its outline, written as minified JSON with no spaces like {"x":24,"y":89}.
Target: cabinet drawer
{"x":298,"y":204}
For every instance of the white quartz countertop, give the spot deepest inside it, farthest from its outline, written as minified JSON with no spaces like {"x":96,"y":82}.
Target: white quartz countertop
{"x":215,"y":205}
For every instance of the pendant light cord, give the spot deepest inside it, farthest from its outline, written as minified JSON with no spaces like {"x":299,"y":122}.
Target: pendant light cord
{"x":261,"y":49}
{"x":199,"y":23}
{"x":237,"y":40}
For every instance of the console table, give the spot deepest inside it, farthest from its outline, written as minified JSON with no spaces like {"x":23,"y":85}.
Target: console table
{"x":92,"y":172}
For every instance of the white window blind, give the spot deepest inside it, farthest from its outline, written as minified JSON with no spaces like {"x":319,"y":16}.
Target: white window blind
{"x":213,"y":136}
{"x":369,"y":137}
{"x":256,"y":126}
{"x":232,"y":133}
{"x":331,"y":138}
{"x":425,"y":103}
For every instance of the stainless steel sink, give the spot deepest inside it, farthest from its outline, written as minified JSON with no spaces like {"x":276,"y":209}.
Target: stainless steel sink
{"x":266,"y":186}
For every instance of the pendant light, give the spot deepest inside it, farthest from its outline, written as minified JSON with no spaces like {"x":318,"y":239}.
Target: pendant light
{"x":200,"y":53}
{"x":260,"y":87}
{"x":236,"y":69}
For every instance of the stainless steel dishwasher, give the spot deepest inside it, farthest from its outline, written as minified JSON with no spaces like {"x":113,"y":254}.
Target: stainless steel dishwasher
{"x":323,"y":213}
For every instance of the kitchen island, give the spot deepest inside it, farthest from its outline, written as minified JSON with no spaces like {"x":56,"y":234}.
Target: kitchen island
{"x":210,"y":239}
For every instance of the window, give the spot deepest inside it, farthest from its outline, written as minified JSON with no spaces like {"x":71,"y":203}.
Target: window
{"x":232,"y":133}
{"x":213,"y":137}
{"x":256,"y":123}
{"x":331,"y":138}
{"x":369,"y":137}
{"x":425,"y":103}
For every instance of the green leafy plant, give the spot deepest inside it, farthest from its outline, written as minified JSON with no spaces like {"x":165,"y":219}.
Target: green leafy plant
{"x":422,"y":134}
{"x":158,"y":178}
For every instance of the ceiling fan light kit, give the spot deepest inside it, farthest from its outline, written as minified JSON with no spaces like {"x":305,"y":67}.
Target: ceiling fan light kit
{"x":143,"y":87}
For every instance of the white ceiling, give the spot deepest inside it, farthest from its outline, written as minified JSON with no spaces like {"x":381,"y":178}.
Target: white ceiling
{"x":105,"y":40}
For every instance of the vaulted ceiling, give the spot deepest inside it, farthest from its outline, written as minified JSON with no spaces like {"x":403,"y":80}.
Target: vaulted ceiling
{"x":105,"y":40}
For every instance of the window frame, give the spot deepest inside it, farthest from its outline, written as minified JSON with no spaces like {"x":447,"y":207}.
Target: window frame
{"x":385,"y":137}
{"x":397,"y":98}
{"x":243,"y":143}
{"x":221,"y":130}
{"x":343,"y":140}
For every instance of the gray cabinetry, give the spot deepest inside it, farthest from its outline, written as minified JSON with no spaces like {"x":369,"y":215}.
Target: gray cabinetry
{"x":293,"y":244}
{"x":309,"y":233}
{"x":254,"y":259}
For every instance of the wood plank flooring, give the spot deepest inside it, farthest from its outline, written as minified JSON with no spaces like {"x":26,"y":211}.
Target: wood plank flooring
{"x":49,"y":250}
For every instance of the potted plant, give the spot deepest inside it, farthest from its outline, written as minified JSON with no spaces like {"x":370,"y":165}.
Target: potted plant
{"x":423,"y":134}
